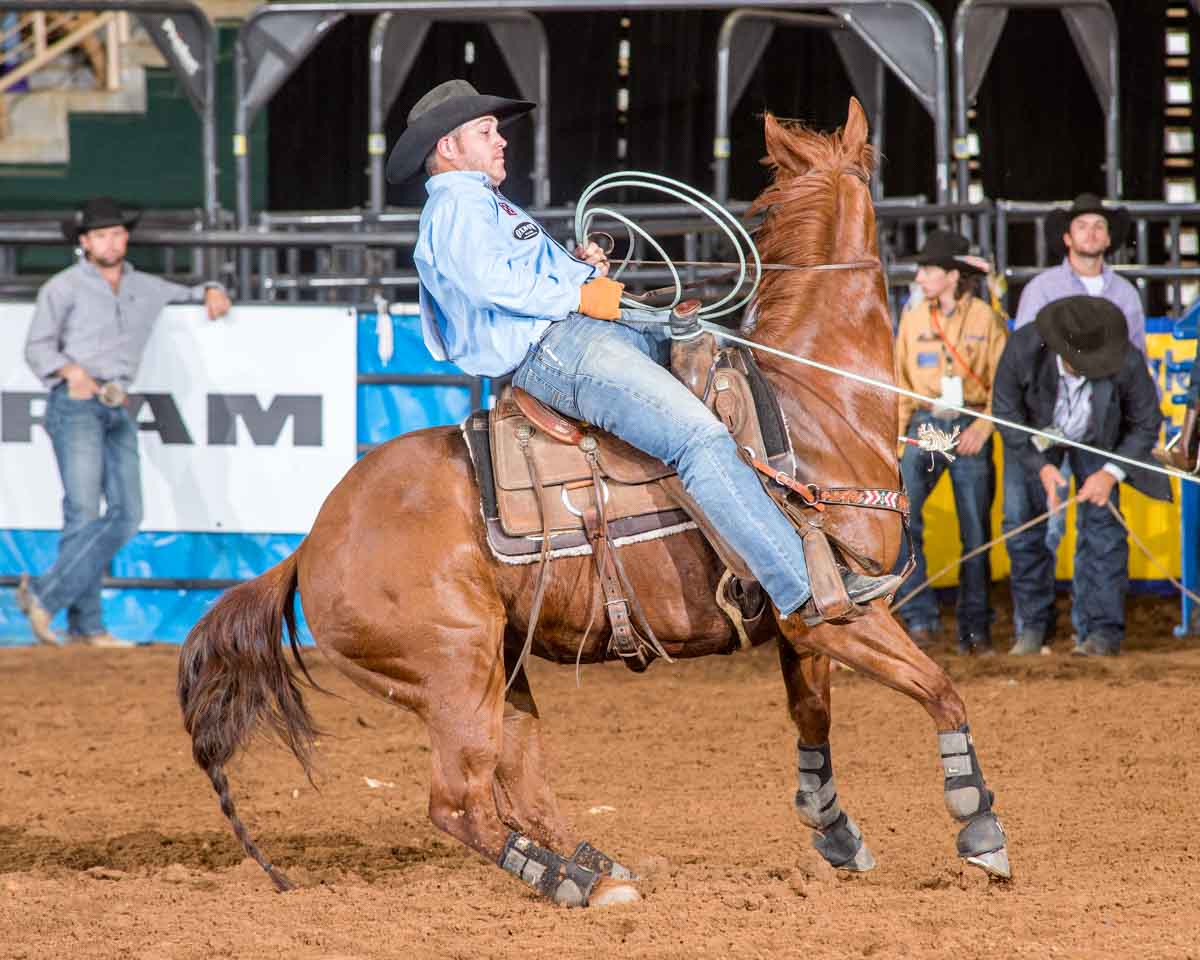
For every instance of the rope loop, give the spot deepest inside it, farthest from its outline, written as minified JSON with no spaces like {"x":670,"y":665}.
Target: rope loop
{"x":737,"y":235}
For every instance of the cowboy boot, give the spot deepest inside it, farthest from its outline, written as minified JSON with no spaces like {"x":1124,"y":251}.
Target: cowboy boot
{"x":693,"y":349}
{"x":1182,"y":453}
{"x":1189,"y":442}
{"x":39,"y":617}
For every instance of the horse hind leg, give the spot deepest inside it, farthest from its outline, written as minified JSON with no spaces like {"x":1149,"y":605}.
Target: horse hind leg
{"x":835,"y":835}
{"x":877,"y":647}
{"x":526,"y":801}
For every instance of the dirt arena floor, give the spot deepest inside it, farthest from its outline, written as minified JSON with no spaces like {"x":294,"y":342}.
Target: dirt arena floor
{"x":112,"y":845}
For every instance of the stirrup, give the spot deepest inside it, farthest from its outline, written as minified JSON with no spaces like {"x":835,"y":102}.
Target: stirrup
{"x":744,"y":602}
{"x":872,"y":589}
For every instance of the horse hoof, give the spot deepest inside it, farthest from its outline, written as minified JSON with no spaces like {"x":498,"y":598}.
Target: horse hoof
{"x":612,"y":893}
{"x":863,"y":862}
{"x":619,"y":872}
{"x":994,"y":864}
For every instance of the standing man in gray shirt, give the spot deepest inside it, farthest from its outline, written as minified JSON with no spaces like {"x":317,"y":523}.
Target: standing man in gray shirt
{"x":85,"y":344}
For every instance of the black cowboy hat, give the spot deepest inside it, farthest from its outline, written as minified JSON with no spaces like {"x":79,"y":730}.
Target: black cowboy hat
{"x":946,"y":249}
{"x":444,"y":108}
{"x":1089,"y":333}
{"x":96,"y":213}
{"x":1058,"y":222}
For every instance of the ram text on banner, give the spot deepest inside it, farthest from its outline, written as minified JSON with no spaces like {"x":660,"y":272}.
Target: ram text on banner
{"x":246,"y":423}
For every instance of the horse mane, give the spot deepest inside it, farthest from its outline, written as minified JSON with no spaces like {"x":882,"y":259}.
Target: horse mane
{"x":800,"y":208}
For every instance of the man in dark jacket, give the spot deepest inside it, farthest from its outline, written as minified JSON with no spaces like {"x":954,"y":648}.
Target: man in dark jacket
{"x":1073,"y":373}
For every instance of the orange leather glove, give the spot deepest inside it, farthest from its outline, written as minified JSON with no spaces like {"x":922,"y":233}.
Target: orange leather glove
{"x":601,"y":298}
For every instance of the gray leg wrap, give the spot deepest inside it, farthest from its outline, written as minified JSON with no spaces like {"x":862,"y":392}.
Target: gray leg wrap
{"x":967,"y":797}
{"x":587,"y":856}
{"x":563,"y":881}
{"x":837,"y":837}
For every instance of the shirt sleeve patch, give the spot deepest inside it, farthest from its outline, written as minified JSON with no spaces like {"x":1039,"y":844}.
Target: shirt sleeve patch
{"x":525,"y":230}
{"x":928,"y":359}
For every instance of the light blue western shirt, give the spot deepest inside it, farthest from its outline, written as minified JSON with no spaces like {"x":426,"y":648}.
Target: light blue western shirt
{"x":492,"y":279}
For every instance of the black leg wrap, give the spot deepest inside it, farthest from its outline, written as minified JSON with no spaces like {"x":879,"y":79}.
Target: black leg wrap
{"x":837,"y":837}
{"x":563,"y":881}
{"x":968,"y":799}
{"x":589,"y":857}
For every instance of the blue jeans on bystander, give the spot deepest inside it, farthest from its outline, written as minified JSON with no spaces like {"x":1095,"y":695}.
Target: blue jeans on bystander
{"x":1101,"y":557}
{"x":973,"y":481}
{"x":97,"y":452}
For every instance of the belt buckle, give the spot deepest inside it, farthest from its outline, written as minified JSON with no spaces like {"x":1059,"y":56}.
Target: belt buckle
{"x":112,"y":394}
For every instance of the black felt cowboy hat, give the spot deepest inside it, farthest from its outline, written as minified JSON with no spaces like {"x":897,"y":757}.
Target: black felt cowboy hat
{"x":99,"y":212}
{"x":1089,"y":333}
{"x":948,"y":250}
{"x":444,"y":108}
{"x":1058,"y":222}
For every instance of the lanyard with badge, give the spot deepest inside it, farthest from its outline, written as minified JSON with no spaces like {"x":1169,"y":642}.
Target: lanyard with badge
{"x":952,"y":384}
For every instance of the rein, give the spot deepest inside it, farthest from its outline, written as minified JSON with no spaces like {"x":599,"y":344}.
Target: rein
{"x":724,"y":333}
{"x":649,"y":295}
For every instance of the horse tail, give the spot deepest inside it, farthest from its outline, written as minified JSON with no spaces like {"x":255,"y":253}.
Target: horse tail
{"x":234,"y":677}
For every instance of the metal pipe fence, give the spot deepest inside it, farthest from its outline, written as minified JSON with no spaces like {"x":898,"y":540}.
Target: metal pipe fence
{"x":334,"y":256}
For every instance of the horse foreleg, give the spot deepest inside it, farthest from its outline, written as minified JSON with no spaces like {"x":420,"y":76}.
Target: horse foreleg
{"x":836,"y":836}
{"x":526,"y":801}
{"x":875,"y":645}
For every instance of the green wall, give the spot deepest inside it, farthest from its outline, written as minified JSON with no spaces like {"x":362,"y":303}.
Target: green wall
{"x":148,"y":160}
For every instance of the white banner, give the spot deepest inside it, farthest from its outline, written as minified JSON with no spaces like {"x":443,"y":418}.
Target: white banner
{"x":246,"y":423}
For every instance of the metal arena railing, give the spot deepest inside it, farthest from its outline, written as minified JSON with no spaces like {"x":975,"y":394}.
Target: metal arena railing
{"x":353,"y":256}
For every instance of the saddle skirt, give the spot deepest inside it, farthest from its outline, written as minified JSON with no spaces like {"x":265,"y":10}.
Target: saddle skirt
{"x":643,"y":497}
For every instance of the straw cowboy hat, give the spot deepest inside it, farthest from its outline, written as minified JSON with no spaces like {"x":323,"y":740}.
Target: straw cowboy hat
{"x":948,"y":250}
{"x":1089,"y":333}
{"x":445,"y":108}
{"x":1058,"y":222}
{"x":96,"y":213}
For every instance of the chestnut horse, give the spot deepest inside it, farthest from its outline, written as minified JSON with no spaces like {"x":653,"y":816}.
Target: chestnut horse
{"x":404,"y":597}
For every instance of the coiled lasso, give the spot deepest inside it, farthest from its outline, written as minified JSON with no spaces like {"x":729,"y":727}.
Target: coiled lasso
{"x":743,"y":245}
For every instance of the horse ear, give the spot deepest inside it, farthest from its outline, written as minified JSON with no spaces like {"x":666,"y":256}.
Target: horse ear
{"x":854,"y":133}
{"x":783,"y":149}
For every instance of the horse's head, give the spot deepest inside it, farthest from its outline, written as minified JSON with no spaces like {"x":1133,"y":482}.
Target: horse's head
{"x":795,"y":151}
{"x":818,"y":211}
{"x":818,"y":206}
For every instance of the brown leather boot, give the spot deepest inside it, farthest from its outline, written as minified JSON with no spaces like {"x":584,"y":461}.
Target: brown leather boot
{"x":692,"y":349}
{"x":1189,"y":442}
{"x":39,"y":617}
{"x":1184,"y":452}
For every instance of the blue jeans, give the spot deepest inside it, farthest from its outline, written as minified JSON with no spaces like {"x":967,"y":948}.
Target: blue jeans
{"x":1101,"y":556}
{"x":1056,"y":529}
{"x":614,"y":375}
{"x":974,"y":483}
{"x":97,"y":451}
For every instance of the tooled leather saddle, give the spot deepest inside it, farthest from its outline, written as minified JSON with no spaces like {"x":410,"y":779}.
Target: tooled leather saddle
{"x":553,"y":487}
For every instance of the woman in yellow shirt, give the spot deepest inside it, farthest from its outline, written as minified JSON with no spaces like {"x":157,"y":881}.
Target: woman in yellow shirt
{"x":947,"y":349}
